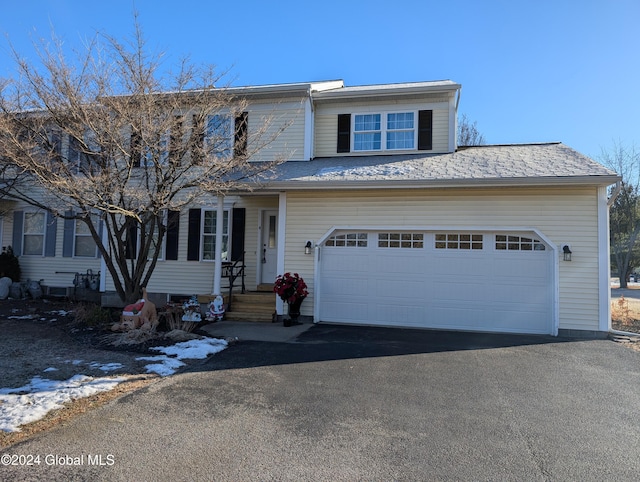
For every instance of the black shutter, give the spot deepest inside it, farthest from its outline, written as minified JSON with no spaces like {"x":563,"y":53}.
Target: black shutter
{"x":18,"y":224}
{"x":131,"y":244}
{"x":173,"y":227}
{"x":237,"y":233}
{"x":425,"y":130}
{"x":135,"y":147}
{"x":240,"y":137}
{"x":193,"y":239}
{"x":344,"y":133}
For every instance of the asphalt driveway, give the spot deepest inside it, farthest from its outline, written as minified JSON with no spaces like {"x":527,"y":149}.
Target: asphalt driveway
{"x":354,"y":403}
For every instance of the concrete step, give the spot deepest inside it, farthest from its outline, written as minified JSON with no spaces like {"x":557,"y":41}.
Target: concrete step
{"x":261,"y":317}
{"x":255,"y":298}
{"x":252,"y":306}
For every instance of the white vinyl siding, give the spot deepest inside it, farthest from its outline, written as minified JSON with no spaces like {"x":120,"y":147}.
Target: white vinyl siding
{"x":283,"y":137}
{"x":311,"y":215}
{"x":55,"y":270}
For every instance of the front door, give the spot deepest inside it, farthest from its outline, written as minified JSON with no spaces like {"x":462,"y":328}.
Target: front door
{"x":269,"y":254}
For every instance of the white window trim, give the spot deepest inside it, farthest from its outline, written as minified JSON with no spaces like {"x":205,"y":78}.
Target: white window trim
{"x":202,"y":233}
{"x":384,"y":130}
{"x":75,"y":238}
{"x":43,"y":234}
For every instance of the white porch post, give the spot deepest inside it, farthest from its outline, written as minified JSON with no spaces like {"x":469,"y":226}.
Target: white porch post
{"x":282,"y":225}
{"x":217,"y":272}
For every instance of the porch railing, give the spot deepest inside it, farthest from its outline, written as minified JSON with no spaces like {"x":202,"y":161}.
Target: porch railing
{"x":232,"y":270}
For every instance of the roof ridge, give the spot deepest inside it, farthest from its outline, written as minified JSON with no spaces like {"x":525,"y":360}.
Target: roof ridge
{"x":516,"y":144}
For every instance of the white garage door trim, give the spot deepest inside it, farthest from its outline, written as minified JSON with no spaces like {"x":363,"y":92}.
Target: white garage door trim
{"x":522,"y":230}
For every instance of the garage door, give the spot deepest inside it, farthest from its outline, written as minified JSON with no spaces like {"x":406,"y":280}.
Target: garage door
{"x":481,"y":281}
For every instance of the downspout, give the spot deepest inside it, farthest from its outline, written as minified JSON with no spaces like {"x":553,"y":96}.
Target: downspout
{"x":614,"y":194}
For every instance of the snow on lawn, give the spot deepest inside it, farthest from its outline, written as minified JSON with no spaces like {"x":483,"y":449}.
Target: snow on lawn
{"x":34,"y":400}
{"x":192,"y":349}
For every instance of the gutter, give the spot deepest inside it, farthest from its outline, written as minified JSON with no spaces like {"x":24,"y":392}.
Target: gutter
{"x":445,"y":183}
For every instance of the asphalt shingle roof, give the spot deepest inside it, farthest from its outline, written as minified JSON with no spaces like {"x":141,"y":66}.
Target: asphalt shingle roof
{"x":503,"y":164}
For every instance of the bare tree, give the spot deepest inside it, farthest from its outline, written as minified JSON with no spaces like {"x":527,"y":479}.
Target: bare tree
{"x":468,"y":133}
{"x":624,"y":224}
{"x":108,"y":140}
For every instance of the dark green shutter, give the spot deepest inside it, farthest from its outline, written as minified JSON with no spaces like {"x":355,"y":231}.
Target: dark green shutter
{"x":193,"y":237}
{"x":425,"y":130}
{"x":344,"y":133}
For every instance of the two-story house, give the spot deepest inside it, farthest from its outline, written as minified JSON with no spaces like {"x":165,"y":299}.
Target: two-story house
{"x":387,"y":219}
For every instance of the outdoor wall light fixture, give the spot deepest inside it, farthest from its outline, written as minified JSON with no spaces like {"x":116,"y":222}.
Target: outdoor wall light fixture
{"x":566,"y":252}
{"x":307,"y":248}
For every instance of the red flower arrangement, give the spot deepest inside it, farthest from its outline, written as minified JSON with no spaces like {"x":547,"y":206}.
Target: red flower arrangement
{"x":290,"y":287}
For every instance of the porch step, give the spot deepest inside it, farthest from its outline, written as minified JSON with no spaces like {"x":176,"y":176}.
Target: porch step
{"x":265,"y":287}
{"x":252,"y":306}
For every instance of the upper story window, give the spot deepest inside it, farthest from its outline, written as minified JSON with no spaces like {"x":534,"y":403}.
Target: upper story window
{"x":219,"y":135}
{"x":400,"y":131}
{"x":385,"y":131}
{"x":367,"y":133}
{"x":388,"y":131}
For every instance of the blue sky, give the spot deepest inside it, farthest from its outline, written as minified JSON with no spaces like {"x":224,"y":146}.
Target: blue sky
{"x":531,"y":70}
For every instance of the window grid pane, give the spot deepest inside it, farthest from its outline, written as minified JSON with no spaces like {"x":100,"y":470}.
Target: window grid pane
{"x":400,"y":131}
{"x":209,"y":235}
{"x":458,"y":241}
{"x":33,"y":233}
{"x":401,"y":240}
{"x":518,"y":243}
{"x":84,"y":245}
{"x":350,"y":240}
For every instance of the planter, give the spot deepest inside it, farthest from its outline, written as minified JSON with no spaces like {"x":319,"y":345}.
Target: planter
{"x":294,"y":312}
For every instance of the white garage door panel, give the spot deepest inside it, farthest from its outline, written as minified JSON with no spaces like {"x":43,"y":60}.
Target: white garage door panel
{"x":484,"y":290}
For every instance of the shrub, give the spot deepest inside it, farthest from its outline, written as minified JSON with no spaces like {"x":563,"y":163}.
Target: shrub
{"x":9,"y":264}
{"x":92,"y":314}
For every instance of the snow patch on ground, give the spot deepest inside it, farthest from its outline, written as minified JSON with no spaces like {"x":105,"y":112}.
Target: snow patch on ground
{"x":192,"y":349}
{"x":34,"y":400}
{"x":31,"y":402}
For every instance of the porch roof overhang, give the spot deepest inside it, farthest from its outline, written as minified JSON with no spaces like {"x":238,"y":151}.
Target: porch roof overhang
{"x":551,"y":164}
